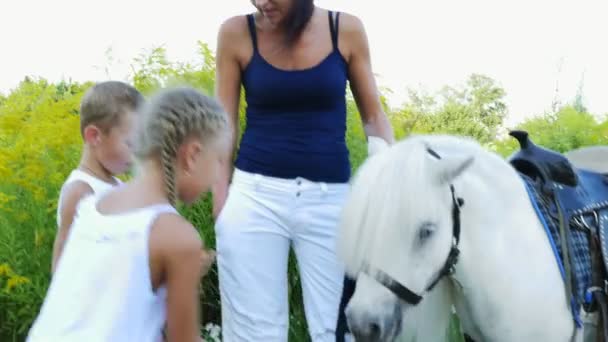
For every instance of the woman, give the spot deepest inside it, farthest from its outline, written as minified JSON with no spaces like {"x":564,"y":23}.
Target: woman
{"x":292,"y":170}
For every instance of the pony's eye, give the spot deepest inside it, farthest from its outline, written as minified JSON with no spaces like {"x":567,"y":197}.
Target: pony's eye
{"x":425,"y":232}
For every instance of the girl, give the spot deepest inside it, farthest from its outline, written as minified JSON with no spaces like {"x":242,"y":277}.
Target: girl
{"x":131,"y":262}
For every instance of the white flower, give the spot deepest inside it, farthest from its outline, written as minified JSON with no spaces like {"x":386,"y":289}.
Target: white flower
{"x":213,"y":332}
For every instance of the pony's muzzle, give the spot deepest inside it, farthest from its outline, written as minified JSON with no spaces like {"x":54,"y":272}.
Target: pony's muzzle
{"x":383,"y":325}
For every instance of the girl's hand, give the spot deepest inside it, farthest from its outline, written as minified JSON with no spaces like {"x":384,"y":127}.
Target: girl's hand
{"x":207,"y":260}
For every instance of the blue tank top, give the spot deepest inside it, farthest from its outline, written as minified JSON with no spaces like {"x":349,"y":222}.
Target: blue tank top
{"x":296,"y":120}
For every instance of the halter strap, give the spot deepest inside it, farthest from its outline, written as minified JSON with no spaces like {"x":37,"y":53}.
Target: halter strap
{"x":402,"y":291}
{"x":395,"y":287}
{"x":408,"y":295}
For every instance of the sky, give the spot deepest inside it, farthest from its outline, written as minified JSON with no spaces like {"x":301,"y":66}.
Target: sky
{"x":531,"y":48}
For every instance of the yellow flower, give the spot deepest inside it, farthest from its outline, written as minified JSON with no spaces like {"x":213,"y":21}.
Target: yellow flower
{"x":22,"y":217}
{"x":5,"y":270}
{"x":4,"y":172}
{"x":39,"y":194}
{"x":15,"y":281}
{"x":38,"y":238}
{"x":5,"y":199}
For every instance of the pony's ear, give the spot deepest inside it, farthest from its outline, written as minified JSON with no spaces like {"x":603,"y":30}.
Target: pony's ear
{"x":450,"y":167}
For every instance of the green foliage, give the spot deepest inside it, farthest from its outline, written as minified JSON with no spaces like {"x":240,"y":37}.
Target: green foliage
{"x":38,"y":147}
{"x":476,"y":110}
{"x":153,"y":71}
{"x":566,"y":130}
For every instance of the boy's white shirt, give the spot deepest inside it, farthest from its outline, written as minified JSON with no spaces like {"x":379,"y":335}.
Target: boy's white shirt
{"x":99,"y":186}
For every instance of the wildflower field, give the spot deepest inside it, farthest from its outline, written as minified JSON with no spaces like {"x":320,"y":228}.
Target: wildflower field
{"x":40,"y":144}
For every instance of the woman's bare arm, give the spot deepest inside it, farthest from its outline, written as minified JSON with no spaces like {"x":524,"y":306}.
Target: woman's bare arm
{"x":228,"y":92}
{"x":362,"y":81}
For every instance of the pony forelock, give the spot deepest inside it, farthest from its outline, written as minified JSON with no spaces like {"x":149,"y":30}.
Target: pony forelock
{"x":379,"y":190}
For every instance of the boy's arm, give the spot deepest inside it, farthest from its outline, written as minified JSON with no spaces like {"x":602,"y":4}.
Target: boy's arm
{"x":72,"y":194}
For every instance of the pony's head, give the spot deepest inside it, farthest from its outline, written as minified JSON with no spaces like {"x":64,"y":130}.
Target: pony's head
{"x":397,"y":233}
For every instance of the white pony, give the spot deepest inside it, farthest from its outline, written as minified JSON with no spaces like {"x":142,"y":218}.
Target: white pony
{"x":397,"y":232}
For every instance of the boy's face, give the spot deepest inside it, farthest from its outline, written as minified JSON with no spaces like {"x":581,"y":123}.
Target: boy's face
{"x":114,"y":148}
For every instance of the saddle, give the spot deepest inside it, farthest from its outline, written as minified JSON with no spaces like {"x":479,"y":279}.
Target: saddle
{"x":578,"y":191}
{"x":534,"y":160}
{"x":573,"y":206}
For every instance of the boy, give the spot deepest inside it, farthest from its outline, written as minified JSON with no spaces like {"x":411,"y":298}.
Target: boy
{"x":106,"y":125}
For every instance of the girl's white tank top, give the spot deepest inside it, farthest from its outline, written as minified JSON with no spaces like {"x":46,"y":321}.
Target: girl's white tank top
{"x":101,"y":289}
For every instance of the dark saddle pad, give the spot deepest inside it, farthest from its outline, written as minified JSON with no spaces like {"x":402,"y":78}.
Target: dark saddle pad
{"x":582,"y":197}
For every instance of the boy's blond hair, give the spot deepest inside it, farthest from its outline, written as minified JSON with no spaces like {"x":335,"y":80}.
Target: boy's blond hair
{"x":104,"y":104}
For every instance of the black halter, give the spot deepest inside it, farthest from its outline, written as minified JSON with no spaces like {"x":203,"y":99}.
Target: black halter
{"x":402,"y":291}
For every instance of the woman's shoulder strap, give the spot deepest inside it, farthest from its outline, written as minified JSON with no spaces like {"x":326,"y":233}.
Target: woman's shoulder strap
{"x":334,"y":24}
{"x":252,"y":31}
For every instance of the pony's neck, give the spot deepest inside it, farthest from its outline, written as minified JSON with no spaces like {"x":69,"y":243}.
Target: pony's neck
{"x":506,"y":268}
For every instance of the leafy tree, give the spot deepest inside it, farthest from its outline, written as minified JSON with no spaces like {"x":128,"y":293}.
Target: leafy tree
{"x":476,"y":110}
{"x":563,"y":131}
{"x":152,"y":70}
{"x":578,"y":99}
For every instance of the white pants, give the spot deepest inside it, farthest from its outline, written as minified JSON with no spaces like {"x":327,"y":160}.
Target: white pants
{"x":261,"y":218}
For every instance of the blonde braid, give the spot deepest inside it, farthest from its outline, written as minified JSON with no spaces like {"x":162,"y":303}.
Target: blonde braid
{"x":174,"y":133}
{"x":167,"y":158}
{"x":171,"y":117}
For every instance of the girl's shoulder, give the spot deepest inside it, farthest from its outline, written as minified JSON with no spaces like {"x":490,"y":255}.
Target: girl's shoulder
{"x":172,"y":234}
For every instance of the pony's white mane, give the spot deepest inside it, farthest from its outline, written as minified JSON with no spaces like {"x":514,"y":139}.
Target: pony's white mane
{"x":382,"y":188}
{"x":383,"y":184}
